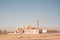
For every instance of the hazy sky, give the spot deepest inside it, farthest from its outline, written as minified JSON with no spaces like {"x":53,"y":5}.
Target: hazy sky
{"x":16,"y":13}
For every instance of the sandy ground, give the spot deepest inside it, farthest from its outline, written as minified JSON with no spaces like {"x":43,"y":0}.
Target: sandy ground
{"x":51,"y":36}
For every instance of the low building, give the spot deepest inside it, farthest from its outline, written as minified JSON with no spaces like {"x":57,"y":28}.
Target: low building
{"x":20,"y":31}
{"x":44,"y":31}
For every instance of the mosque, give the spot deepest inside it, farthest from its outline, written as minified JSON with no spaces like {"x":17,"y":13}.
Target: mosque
{"x":30,"y":30}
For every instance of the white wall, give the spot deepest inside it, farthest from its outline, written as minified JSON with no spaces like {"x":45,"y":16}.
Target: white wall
{"x":31,"y":31}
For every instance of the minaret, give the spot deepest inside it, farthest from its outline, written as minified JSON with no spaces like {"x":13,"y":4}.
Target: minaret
{"x":37,"y":22}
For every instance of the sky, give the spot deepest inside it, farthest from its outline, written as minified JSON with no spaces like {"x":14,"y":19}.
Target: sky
{"x":18,"y":13}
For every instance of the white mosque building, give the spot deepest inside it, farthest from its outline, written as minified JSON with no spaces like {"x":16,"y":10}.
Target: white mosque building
{"x":31,"y":30}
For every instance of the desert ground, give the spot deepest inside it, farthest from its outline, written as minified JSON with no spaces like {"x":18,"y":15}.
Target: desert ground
{"x":47,"y":36}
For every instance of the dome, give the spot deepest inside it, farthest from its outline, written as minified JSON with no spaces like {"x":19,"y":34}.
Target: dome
{"x":27,"y":26}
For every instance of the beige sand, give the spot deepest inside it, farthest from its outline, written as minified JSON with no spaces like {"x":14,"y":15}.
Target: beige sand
{"x":53,"y":36}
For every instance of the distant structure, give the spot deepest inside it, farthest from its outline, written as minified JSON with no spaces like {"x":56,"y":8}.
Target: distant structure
{"x":31,"y":30}
{"x":19,"y":31}
{"x":44,"y":31}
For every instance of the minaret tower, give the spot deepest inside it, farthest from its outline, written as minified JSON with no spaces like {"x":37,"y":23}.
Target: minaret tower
{"x":37,"y":22}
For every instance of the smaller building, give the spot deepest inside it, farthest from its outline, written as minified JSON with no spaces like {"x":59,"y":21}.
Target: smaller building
{"x":19,"y":31}
{"x":44,"y":31}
